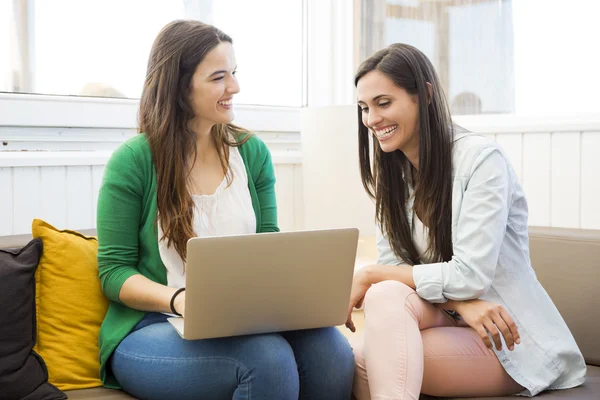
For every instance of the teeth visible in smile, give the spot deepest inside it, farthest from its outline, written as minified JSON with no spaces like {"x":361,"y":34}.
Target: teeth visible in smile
{"x":387,"y":132}
{"x":225,"y":102}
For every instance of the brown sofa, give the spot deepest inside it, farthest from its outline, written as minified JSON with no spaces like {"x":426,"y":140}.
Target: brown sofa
{"x":567,"y":262}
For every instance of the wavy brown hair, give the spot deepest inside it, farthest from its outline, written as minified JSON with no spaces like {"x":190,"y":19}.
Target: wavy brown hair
{"x":388,"y":178}
{"x":165,"y":115}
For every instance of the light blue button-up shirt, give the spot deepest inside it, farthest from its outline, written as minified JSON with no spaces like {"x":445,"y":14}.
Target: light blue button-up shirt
{"x":491,"y":262}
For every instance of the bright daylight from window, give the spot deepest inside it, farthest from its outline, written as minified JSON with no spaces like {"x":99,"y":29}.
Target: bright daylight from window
{"x":100,"y":48}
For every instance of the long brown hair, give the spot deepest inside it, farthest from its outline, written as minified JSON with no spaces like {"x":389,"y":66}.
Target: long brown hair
{"x":387,"y":180}
{"x":165,"y":115}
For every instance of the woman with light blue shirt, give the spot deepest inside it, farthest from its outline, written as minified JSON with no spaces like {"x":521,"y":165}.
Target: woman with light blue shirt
{"x":453,"y":306}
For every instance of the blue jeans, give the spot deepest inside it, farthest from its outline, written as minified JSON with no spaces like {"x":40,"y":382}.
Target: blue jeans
{"x":153,"y":362}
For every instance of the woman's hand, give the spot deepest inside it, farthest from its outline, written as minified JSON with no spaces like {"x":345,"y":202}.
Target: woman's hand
{"x":179,"y":303}
{"x":485,"y":317}
{"x":360,"y":285}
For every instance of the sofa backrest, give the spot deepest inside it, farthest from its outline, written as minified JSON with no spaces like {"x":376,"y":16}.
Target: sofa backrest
{"x":567,"y":263}
{"x":18,"y":241}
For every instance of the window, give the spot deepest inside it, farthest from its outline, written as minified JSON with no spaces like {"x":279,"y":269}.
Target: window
{"x":100,"y":48}
{"x":497,"y":56}
{"x":470,"y":44}
{"x":7,"y":41}
{"x":556,"y":56}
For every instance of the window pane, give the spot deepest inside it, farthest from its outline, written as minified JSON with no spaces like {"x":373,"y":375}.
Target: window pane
{"x":101,"y":47}
{"x":7,"y":46}
{"x":557,"y":62}
{"x":96,"y":47}
{"x":470,"y":44}
{"x":498,"y":56}
{"x":268,"y":48}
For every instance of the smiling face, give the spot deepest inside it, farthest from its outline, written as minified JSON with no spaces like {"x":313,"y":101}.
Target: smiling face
{"x":389,"y":112}
{"x":213,"y":86}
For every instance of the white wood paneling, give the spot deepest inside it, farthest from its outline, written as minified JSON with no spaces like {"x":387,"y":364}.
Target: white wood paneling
{"x":559,"y":173}
{"x":66,"y":196}
{"x":53,"y":200}
{"x":536,"y":176}
{"x":80,"y":205}
{"x":61,"y":187}
{"x":26,"y":198}
{"x":512,"y":144}
{"x":97,"y":174}
{"x":590,"y":180}
{"x":566,"y":180}
{"x":6,"y":201}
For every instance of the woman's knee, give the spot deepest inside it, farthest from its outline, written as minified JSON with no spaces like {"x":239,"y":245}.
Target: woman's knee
{"x":327,"y":362}
{"x":386,"y":291}
{"x":339,"y":362}
{"x":358,"y":348}
{"x":338,"y":346}
{"x":344,"y":353}
{"x":270,"y":355}
{"x":323,"y":348}
{"x":360,"y":386}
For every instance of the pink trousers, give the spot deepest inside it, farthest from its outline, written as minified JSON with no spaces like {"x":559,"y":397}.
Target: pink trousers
{"x":410,"y":346}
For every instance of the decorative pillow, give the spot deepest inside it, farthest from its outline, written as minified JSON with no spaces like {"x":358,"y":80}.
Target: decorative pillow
{"x":23,"y":373}
{"x":70,"y":307}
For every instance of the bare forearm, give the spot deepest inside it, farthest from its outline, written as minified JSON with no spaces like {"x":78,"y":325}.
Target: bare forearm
{"x":380,"y":273}
{"x":140,"y":293}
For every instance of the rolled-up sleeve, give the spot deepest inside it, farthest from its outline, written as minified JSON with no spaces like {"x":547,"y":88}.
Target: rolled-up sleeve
{"x":480,"y":230}
{"x":265,"y":190}
{"x":118,"y":219}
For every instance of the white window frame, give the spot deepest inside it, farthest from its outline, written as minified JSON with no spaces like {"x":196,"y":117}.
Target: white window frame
{"x":39,"y":110}
{"x":331,"y":55}
{"x":330,"y":59}
{"x":97,"y":112}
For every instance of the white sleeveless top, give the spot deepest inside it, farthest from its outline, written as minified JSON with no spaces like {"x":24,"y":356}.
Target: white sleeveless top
{"x":228,"y":211}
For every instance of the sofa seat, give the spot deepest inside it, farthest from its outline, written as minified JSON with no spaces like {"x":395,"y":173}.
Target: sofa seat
{"x":551,"y":250}
{"x":99,"y":393}
{"x":588,"y":391}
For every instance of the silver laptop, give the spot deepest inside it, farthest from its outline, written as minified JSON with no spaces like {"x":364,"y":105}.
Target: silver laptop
{"x":268,"y":282}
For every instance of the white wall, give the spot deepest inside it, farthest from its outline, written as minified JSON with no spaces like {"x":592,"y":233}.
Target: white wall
{"x":333,"y":193}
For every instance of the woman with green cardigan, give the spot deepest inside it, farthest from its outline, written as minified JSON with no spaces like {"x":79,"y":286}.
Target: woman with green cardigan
{"x":189,"y":173}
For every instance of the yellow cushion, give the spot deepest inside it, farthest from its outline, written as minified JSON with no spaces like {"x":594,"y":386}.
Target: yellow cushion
{"x":70,"y":307}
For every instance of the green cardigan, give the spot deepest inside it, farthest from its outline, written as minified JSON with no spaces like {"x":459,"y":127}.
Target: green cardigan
{"x":127,"y":231}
